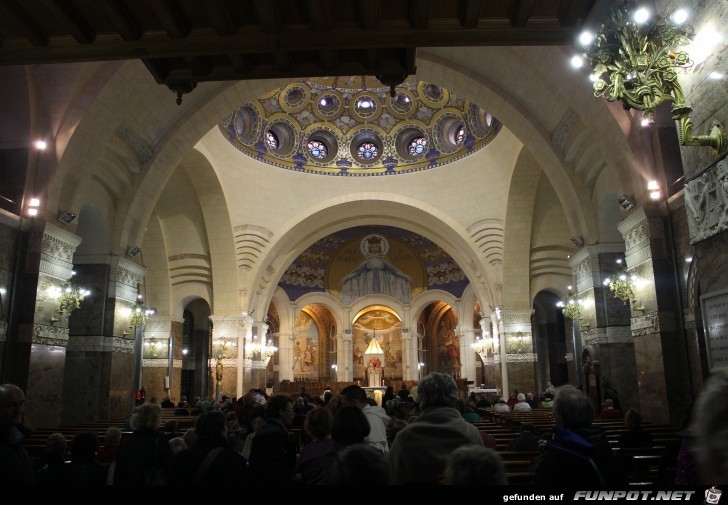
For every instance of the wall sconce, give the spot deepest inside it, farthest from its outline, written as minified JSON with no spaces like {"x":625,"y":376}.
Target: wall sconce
{"x":571,"y":306}
{"x":622,"y":285}
{"x":634,"y":60}
{"x":517,"y":343}
{"x":265,"y":349}
{"x":140,"y":314}
{"x":156,"y":346}
{"x":69,"y":297}
{"x":221,"y":346}
{"x":481,"y":347}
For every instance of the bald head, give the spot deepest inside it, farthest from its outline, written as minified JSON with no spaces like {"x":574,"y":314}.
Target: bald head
{"x":12,"y":405}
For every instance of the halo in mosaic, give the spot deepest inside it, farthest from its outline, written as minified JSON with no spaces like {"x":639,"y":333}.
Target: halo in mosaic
{"x":359,"y":128}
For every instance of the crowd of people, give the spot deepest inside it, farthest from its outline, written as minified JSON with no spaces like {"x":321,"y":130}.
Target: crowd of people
{"x":426,"y":435}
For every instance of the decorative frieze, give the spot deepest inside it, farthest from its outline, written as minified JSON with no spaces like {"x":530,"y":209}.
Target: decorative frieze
{"x":155,"y":363}
{"x":90,"y":343}
{"x":125,"y":279}
{"x":189,"y":256}
{"x":226,"y":363}
{"x":637,"y":230}
{"x":645,"y":324}
{"x":525,"y":357}
{"x":516,"y":320}
{"x":123,"y":345}
{"x":47,"y":334}
{"x":691,"y":322}
{"x":57,"y":248}
{"x":137,"y":144}
{"x":608,"y":335}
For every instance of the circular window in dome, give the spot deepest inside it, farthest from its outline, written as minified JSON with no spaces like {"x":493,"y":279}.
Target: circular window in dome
{"x":295,"y":96}
{"x":321,"y":146}
{"x":318,"y":149}
{"x":366,"y":147}
{"x":365,"y":106}
{"x":417,"y":146}
{"x":328,"y":105}
{"x":367,"y":151}
{"x":433,"y":92}
{"x":247,"y":124}
{"x":271,"y":139}
{"x":280,"y":137}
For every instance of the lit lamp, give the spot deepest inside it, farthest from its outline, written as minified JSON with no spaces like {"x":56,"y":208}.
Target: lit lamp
{"x":571,"y":306}
{"x":69,"y":297}
{"x":634,"y":57}
{"x":481,"y":346}
{"x":622,"y":286}
{"x":139,"y":315}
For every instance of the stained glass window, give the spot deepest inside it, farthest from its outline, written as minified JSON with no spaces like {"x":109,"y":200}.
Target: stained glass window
{"x":317,"y":149}
{"x":417,"y":146}
{"x":271,"y":139}
{"x":367,"y":151}
{"x":460,"y":135}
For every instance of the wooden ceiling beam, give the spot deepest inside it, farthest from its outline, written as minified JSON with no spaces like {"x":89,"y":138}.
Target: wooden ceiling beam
{"x":172,"y":18}
{"x":368,"y":14}
{"x":35,"y":33}
{"x":220,"y":17}
{"x":471,"y":13}
{"x":122,"y":19}
{"x":319,"y":11}
{"x":72,"y":20}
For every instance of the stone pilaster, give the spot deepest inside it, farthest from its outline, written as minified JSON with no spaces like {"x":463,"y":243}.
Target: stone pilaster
{"x":50,"y":334}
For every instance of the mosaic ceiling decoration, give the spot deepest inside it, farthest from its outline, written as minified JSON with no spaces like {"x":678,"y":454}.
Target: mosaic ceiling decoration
{"x":325,"y":264}
{"x":351,"y":126}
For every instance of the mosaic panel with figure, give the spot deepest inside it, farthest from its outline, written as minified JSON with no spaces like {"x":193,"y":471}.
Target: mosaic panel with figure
{"x":306,"y":347}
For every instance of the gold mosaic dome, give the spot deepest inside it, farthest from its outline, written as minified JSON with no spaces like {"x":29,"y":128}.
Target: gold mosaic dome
{"x":352,"y":126}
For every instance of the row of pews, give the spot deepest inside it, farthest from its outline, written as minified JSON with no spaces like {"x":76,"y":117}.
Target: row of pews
{"x":644,"y":465}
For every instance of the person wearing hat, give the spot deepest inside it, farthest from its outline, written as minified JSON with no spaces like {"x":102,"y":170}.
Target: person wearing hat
{"x":522,"y":405}
{"x":501,"y":406}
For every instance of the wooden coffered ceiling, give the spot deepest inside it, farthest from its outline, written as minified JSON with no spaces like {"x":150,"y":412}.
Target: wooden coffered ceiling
{"x":183,"y":42}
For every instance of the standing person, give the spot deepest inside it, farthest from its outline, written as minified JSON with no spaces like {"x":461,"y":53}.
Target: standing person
{"x":376,"y":416}
{"x":16,"y":468}
{"x":273,"y":453}
{"x":419,"y":452}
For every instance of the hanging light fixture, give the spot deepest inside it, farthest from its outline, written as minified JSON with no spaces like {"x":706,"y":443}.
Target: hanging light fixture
{"x":571,"y":305}
{"x":482,"y":347}
{"x":634,"y":57}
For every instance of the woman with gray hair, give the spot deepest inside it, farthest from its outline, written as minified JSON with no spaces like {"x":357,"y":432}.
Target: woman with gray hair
{"x":419,"y":452}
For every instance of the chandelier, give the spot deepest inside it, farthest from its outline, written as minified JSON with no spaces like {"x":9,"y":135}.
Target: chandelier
{"x":634,"y":57}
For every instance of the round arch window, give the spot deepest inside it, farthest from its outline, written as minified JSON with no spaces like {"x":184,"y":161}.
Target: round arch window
{"x":318,"y":149}
{"x":271,"y":139}
{"x":417,"y":146}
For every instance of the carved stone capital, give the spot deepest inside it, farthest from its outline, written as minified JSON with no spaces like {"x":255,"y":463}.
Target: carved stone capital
{"x":125,"y":279}
{"x":57,"y":248}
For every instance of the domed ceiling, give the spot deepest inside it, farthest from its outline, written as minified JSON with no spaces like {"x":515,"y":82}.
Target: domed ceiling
{"x":351,"y":126}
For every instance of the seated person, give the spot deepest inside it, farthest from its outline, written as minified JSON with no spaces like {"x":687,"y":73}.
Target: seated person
{"x":609,"y":412}
{"x":635,"y":436}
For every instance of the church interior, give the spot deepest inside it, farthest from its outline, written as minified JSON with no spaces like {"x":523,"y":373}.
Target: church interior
{"x":200,"y":198}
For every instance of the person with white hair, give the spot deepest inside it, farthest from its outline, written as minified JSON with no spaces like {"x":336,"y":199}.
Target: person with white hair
{"x":709,"y":430}
{"x":522,"y":405}
{"x":501,"y":406}
{"x":419,"y":452}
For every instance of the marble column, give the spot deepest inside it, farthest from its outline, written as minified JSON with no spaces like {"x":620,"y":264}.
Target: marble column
{"x":162,"y":356}
{"x":99,"y":373}
{"x":660,"y":354}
